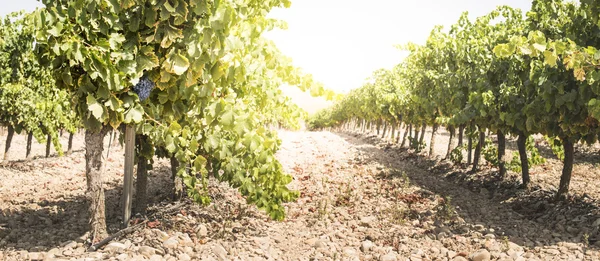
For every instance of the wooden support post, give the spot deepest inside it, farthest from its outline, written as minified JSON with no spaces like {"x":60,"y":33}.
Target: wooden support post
{"x":128,"y":182}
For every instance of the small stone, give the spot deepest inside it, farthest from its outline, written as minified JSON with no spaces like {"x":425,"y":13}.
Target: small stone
{"x":481,"y":255}
{"x":156,"y":258}
{"x":479,"y":227}
{"x":366,"y":246}
{"x":368,"y":221}
{"x":147,"y":251}
{"x":349,"y":252}
{"x":54,"y":253}
{"x":122,"y":257}
{"x":188,"y":250}
{"x":311,"y":242}
{"x":35,"y":256}
{"x":389,"y":257}
{"x":572,"y":246}
{"x":70,"y":244}
{"x":459,"y":258}
{"x":596,"y":223}
{"x":201,"y":231}
{"x":417,"y":252}
{"x":186,"y":240}
{"x":464,"y":229}
{"x":484,"y":192}
{"x":320,"y":244}
{"x":279,"y":238}
{"x":442,"y":230}
{"x":554,"y":252}
{"x":171,"y":242}
{"x":514,"y":246}
{"x":184,"y":257}
{"x":115,"y":247}
{"x":219,"y":251}
{"x":78,"y":251}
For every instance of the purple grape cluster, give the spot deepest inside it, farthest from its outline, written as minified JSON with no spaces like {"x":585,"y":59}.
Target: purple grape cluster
{"x":143,"y":88}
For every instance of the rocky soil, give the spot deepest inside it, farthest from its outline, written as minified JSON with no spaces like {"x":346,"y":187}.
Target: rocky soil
{"x":361,"y":199}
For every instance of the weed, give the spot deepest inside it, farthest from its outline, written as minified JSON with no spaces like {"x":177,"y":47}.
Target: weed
{"x":344,"y":196}
{"x":405,"y":180}
{"x":490,"y":152}
{"x":556,"y":146}
{"x":444,"y":209}
{"x":322,"y":208}
{"x":398,"y":214}
{"x":416,"y":145}
{"x":505,"y":245}
{"x":456,"y":155}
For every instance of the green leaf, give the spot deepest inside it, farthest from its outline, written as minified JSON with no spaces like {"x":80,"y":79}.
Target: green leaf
{"x":176,"y":64}
{"x":170,"y":144}
{"x":56,"y":29}
{"x":539,"y":47}
{"x":116,"y":40}
{"x":95,"y":107}
{"x":550,"y":58}
{"x":199,"y":163}
{"x":227,"y":118}
{"x":134,"y":114}
{"x":525,"y":50}
{"x":146,"y":59}
{"x":174,"y":129}
{"x":502,"y":50}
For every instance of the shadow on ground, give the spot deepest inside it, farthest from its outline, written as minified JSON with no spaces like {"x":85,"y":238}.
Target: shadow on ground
{"x":526,"y":217}
{"x":45,"y":224}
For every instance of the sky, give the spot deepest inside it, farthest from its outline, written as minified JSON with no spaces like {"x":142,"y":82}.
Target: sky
{"x":341,"y":42}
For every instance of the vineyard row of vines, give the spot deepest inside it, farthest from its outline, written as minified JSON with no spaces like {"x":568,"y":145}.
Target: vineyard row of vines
{"x":196,"y":79}
{"x":504,"y":73}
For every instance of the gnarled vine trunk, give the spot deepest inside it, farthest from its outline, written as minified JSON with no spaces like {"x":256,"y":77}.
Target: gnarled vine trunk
{"x":470,"y":145}
{"x":393,"y":132}
{"x":423,"y":129}
{"x":478,"y":148}
{"x":70,"y":145}
{"x":94,"y":170}
{"x":452,"y":131}
{"x":141,"y":186}
{"x":521,"y":140}
{"x":9,"y":137}
{"x":48,"y":145}
{"x":28,"y":146}
{"x":565,"y":178}
{"x":432,"y":142}
{"x":177,"y":184}
{"x":406,"y":133}
{"x":461,"y":131}
{"x":501,"y":153}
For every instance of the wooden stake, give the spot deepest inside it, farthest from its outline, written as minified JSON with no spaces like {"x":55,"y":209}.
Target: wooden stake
{"x":128,"y":182}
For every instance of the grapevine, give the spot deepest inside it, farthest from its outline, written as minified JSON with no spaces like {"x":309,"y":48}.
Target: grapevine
{"x":501,"y":72}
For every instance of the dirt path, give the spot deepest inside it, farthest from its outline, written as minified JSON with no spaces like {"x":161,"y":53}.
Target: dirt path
{"x":359,"y":201}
